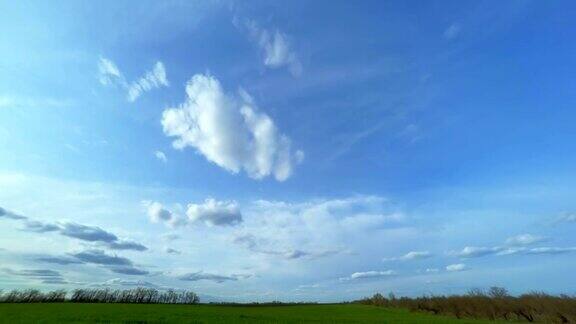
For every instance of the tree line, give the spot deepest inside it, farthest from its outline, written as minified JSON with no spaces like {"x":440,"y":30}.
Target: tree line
{"x":106,"y":295}
{"x":492,"y":304}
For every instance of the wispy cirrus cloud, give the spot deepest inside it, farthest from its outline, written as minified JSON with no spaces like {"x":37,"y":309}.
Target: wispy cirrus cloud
{"x":161,"y":156}
{"x":153,"y":79}
{"x":110,"y":75}
{"x":453,"y":31}
{"x":276,"y":47}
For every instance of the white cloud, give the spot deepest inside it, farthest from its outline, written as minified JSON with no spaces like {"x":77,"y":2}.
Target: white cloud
{"x":416,"y":255}
{"x":456,"y":267}
{"x":157,"y":212}
{"x":229,"y":131}
{"x":349,"y":140}
{"x":567,"y":218}
{"x":551,"y":250}
{"x":161,"y":156}
{"x":256,"y":245}
{"x":219,"y":278}
{"x":452,"y":31}
{"x":315,"y":229}
{"x":369,"y":275}
{"x":299,"y":156}
{"x":413,"y":255}
{"x":474,"y":252}
{"x":151,"y":80}
{"x":411,"y":133}
{"x":524,"y":239}
{"x":170,"y":237}
{"x":306,"y":287}
{"x":509,"y":251}
{"x":211,"y":212}
{"x":360,"y":227}
{"x":276,"y":47}
{"x":215,"y":213}
{"x":117,"y":282}
{"x":110,"y":75}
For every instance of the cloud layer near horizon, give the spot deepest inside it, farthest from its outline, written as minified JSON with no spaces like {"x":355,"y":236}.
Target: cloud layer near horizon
{"x":92,"y":234}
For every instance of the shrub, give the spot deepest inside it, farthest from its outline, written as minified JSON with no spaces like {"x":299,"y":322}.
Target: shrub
{"x":494,"y":304}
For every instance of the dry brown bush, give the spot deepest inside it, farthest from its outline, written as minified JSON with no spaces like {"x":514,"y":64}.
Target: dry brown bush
{"x":493,"y":304}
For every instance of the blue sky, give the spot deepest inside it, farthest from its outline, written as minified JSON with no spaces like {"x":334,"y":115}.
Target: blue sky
{"x":267,"y":150}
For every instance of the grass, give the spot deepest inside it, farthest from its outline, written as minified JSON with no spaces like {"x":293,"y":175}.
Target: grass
{"x":139,"y":313}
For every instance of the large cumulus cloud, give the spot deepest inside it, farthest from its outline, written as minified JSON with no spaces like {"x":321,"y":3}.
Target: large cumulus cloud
{"x":230,"y":131}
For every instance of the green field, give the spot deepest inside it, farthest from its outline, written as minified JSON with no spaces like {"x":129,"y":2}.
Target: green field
{"x":132,"y":313}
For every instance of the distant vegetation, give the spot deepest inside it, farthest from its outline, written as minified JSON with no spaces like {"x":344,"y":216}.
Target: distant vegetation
{"x":493,"y":304}
{"x":127,"y":296}
{"x":32,"y":296}
{"x":274,"y":303}
{"x":58,"y":313}
{"x":477,"y":306}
